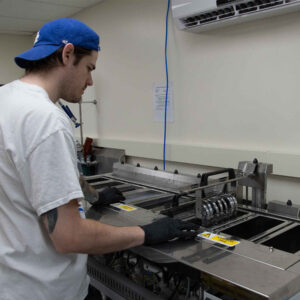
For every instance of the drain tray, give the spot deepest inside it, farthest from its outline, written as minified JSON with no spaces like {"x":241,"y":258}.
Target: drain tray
{"x":252,"y":227}
{"x":288,"y":241}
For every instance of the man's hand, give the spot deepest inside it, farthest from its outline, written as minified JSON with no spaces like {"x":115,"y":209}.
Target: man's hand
{"x":167,"y":229}
{"x":109,"y":196}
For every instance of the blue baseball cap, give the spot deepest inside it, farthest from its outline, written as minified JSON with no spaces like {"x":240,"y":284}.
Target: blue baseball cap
{"x":56,"y":34}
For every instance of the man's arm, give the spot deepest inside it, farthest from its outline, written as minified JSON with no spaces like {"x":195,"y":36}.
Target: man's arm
{"x":72,"y":234}
{"x":90,"y":194}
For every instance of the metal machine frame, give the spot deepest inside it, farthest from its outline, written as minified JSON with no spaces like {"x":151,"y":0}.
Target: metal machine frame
{"x":264,"y":265}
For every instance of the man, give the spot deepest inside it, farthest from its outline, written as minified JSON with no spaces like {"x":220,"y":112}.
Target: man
{"x":43,"y":239}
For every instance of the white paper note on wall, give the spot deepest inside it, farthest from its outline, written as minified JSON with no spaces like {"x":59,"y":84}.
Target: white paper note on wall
{"x":159,"y":98}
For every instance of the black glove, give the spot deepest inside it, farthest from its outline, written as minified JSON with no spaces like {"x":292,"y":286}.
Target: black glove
{"x":168,"y":229}
{"x":109,"y":196}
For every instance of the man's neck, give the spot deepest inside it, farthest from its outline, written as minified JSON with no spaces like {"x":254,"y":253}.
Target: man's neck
{"x":49,"y":83}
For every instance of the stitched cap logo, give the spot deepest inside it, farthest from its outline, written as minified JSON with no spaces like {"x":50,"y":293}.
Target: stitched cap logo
{"x":36,"y":38}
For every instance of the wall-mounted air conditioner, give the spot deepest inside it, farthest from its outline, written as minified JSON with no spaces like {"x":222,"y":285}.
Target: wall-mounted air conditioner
{"x":200,"y":15}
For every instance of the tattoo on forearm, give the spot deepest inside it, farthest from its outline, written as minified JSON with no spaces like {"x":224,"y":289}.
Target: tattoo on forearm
{"x":51,"y":219}
{"x":90,"y":194}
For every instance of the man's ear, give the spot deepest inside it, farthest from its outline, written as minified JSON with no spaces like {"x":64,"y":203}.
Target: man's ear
{"x":68,"y":54}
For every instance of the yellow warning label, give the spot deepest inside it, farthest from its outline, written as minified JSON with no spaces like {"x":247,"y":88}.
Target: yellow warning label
{"x":218,"y":239}
{"x":207,"y":235}
{"x":224,"y":241}
{"x":127,"y":207}
{"x":124,"y":207}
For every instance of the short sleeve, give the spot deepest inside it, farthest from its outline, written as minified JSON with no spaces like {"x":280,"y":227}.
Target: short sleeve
{"x":53,"y":174}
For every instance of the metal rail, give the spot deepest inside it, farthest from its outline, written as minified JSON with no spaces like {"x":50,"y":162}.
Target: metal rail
{"x":183,"y":193}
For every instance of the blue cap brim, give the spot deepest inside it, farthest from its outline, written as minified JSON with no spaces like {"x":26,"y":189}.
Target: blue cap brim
{"x":35,"y":53}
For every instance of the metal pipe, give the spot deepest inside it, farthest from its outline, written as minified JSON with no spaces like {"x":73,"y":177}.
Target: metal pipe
{"x":80,"y":121}
{"x":92,"y":101}
{"x":183,"y":193}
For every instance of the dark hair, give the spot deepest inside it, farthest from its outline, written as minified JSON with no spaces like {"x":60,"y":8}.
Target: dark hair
{"x":55,"y":59}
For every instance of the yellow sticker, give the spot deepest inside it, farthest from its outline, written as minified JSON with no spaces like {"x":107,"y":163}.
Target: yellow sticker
{"x":207,"y":235}
{"x":224,"y":241}
{"x":218,"y":239}
{"x":124,"y":207}
{"x":127,"y":207}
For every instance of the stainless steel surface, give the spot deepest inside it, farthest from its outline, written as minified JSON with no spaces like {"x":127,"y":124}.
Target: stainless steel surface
{"x":155,"y":178}
{"x":257,"y":181}
{"x":266,"y":263}
{"x":251,"y":275}
{"x":284,"y":209}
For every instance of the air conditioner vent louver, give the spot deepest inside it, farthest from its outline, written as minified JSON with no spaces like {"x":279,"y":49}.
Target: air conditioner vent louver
{"x":208,"y":13}
{"x":222,"y":2}
{"x":210,"y":16}
{"x":256,"y":5}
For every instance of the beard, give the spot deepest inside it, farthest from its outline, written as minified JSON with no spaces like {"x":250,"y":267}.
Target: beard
{"x":72,"y":98}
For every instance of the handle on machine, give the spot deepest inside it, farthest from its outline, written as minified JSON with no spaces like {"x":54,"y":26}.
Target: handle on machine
{"x":204,"y":177}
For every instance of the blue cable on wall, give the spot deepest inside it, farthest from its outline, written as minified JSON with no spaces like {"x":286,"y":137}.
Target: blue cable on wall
{"x":167,"y":89}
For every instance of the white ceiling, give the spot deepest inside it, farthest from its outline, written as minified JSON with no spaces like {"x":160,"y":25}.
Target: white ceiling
{"x":27,"y":16}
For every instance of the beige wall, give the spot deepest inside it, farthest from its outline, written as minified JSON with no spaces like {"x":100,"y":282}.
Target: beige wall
{"x":235,"y":90}
{"x":10,"y":46}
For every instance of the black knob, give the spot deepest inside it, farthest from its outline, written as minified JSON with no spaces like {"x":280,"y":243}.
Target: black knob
{"x":198,"y":175}
{"x":122,"y":162}
{"x":255,"y":161}
{"x":289,"y":203}
{"x":155,"y":168}
{"x":138,"y":165}
{"x":176,"y":171}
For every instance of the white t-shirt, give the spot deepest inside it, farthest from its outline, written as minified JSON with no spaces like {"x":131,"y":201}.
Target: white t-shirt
{"x":38,"y":172}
